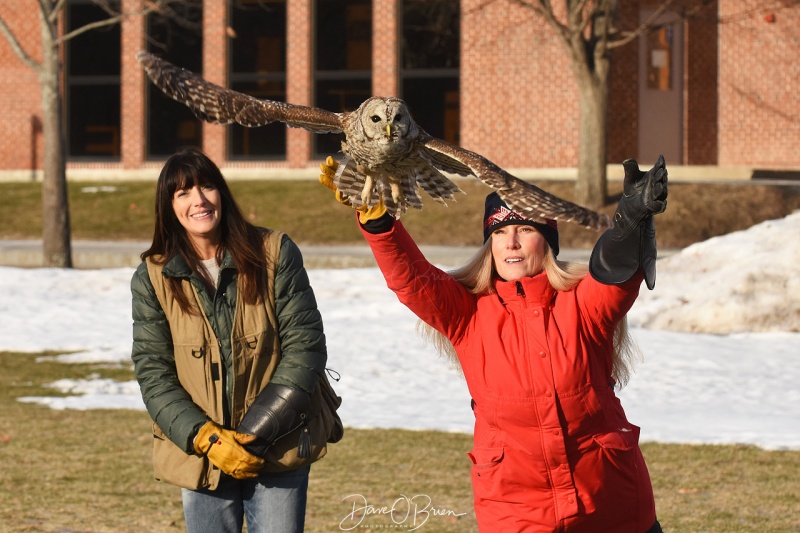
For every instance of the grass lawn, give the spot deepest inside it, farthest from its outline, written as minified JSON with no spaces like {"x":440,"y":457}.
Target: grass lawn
{"x":90,"y":471}
{"x":307,"y":211}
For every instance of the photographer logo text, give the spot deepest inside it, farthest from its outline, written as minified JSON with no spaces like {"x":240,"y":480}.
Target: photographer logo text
{"x":407,"y":512}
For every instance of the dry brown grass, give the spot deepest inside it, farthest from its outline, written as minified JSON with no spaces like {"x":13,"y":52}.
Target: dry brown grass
{"x":306,"y":211}
{"x":90,"y":472}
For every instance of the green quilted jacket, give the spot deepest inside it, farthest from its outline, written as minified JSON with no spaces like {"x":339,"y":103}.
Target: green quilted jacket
{"x":302,"y":341}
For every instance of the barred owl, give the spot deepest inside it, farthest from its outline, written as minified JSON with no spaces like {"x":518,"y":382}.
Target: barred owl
{"x":387,"y":154}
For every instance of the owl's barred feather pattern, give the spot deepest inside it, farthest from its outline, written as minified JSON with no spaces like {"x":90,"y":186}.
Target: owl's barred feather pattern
{"x":388,"y":156}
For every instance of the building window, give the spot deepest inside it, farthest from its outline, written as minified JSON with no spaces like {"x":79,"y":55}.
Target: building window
{"x":430,"y":65}
{"x":257,"y":62}
{"x":92,"y":84}
{"x":343,"y":61}
{"x":178,"y":38}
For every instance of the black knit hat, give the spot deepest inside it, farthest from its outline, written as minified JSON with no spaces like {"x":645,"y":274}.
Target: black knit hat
{"x":497,"y":214}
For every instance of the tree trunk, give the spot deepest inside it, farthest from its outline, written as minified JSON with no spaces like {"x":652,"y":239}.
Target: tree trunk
{"x":590,"y":65}
{"x":57,"y":250}
{"x":590,"y":187}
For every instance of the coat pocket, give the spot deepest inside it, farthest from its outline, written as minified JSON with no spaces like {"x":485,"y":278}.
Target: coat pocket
{"x":485,"y":458}
{"x":173,"y":465}
{"x":199,"y":372}
{"x":487,"y":478}
{"x":626,"y":438}
{"x":620,"y":474}
{"x":619,"y":454}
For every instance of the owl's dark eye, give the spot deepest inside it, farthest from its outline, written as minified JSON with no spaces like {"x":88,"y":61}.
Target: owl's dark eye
{"x":375,"y":118}
{"x":398,"y":118}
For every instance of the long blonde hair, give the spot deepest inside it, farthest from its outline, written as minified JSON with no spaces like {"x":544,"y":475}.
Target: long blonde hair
{"x":478,"y":274}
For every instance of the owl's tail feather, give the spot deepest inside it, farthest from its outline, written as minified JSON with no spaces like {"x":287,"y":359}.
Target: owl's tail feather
{"x":349,"y":181}
{"x":383,"y":192}
{"x":436,"y":184}
{"x":409,"y":196}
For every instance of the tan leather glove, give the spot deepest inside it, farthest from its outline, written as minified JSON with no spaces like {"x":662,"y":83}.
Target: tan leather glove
{"x":328,"y":169}
{"x":225,"y":449}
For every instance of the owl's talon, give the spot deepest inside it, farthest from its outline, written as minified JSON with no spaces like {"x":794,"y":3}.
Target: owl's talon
{"x":366,"y":191}
{"x":397,"y":196}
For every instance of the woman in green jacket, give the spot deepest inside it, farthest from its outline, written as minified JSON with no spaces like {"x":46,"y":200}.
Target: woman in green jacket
{"x":209,"y":341}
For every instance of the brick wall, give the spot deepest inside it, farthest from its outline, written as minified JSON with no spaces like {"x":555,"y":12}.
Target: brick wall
{"x":385,"y":51}
{"x":519,"y":99}
{"x":298,"y":76}
{"x":133,"y":82}
{"x":623,"y":95}
{"x":701,"y":79}
{"x":215,"y":70}
{"x":21,"y":144}
{"x":759,"y":101}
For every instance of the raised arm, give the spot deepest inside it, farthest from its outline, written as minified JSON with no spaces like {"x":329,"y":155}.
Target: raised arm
{"x":626,"y":253}
{"x":430,"y":293}
{"x":630,"y":243}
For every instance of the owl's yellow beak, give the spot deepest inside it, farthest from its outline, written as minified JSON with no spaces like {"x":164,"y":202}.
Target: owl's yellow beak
{"x":388,"y":130}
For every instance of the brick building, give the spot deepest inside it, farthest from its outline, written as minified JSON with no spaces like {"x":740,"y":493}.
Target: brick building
{"x":715,"y":90}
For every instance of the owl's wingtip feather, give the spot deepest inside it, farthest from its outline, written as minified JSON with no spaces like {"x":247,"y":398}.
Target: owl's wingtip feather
{"x":603,"y":223}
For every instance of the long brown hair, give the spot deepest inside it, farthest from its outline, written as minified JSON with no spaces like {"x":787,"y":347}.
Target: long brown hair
{"x":478,"y":276}
{"x":191,"y":167}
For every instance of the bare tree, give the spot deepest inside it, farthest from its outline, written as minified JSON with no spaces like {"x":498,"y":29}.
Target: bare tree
{"x":587,"y":31}
{"x":57,"y":249}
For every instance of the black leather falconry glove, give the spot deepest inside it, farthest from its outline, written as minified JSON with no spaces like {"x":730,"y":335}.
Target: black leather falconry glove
{"x":277,"y":411}
{"x":630,"y":243}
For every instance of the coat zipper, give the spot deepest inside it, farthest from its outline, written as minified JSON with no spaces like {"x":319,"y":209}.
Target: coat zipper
{"x":525,"y":328}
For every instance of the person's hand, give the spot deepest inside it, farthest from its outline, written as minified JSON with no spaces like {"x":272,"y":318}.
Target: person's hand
{"x":328,"y":169}
{"x":644,"y":193}
{"x":225,"y":449}
{"x":630,"y":243}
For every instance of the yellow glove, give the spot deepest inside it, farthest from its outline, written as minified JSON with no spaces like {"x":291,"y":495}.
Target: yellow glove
{"x":365,"y":213}
{"x":224,"y":449}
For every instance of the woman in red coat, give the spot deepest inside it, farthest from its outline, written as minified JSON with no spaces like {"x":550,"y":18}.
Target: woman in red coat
{"x":542,"y":346}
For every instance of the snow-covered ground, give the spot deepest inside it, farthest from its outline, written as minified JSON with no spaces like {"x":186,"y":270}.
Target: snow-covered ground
{"x":719,"y":336}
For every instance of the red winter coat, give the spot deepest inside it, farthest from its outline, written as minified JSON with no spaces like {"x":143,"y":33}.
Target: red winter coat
{"x":553,"y":450}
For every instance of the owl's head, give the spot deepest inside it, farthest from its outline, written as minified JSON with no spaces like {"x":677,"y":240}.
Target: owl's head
{"x":386,"y":119}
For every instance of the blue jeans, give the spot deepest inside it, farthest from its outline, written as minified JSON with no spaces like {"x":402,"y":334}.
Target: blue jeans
{"x":272,"y":503}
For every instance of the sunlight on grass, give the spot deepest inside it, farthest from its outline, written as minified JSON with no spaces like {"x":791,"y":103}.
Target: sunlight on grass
{"x":307,"y":211}
{"x":73,"y":470}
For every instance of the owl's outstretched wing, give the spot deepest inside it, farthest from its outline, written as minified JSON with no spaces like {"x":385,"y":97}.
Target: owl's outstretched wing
{"x":219,"y":105}
{"x":521,"y":196}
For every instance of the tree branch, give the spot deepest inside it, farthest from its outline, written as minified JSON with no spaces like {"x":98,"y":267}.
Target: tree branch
{"x":17,"y":47}
{"x":649,"y":25}
{"x":601,"y":12}
{"x":52,"y":12}
{"x":545,"y":10}
{"x":90,"y":26}
{"x":585,"y":21}
{"x":643,"y":28}
{"x":114,"y":18}
{"x":480,"y":7}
